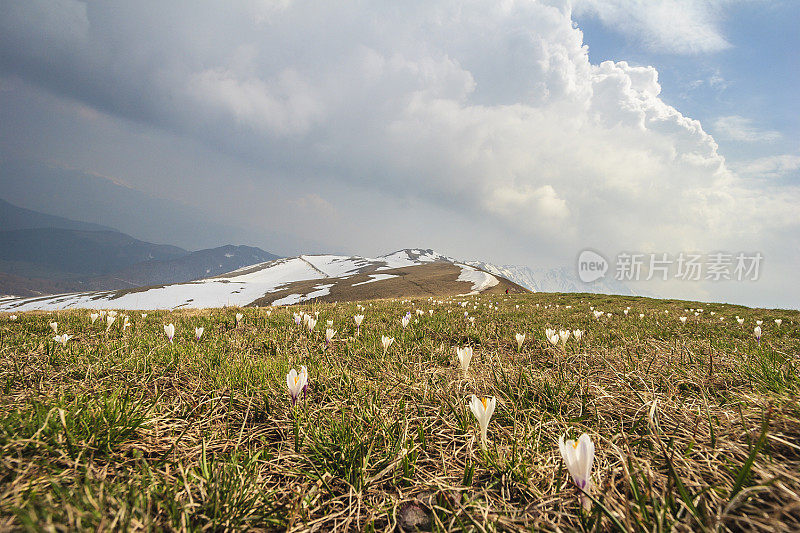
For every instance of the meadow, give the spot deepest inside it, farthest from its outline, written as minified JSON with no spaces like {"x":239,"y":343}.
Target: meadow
{"x":695,"y":424}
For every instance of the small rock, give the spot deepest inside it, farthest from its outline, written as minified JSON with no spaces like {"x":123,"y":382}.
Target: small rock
{"x":412,"y":517}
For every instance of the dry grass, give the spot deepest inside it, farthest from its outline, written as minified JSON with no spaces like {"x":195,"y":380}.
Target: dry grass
{"x":696,"y":426}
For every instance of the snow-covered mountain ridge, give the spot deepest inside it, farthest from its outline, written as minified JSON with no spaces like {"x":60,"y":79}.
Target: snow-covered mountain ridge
{"x":404,"y":273}
{"x":293,"y":280}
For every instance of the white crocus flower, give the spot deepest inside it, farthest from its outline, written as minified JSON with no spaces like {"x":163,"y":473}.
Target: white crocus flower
{"x":759,"y":322}
{"x":386,"y":341}
{"x":12,"y":317}
{"x":683,"y":320}
{"x":62,"y":339}
{"x":110,"y":320}
{"x":626,"y":311}
{"x":329,"y":333}
{"x":483,"y":409}
{"x":578,"y":334}
{"x":464,"y":357}
{"x":329,"y":323}
{"x":641,"y":315}
{"x":597,"y":314}
{"x":405,"y":320}
{"x":358,"y":319}
{"x":198,"y":332}
{"x":778,"y":321}
{"x":549,"y":332}
{"x":311,"y":323}
{"x":169,"y":330}
{"x":239,"y":317}
{"x":757,"y":333}
{"x":554,"y":339}
{"x":564,"y":335}
{"x":579,"y":456}
{"x":144,"y":315}
{"x":54,"y":327}
{"x":125,"y":322}
{"x":740,"y":320}
{"x":93,"y":317}
{"x":296,"y":383}
{"x":520,"y":338}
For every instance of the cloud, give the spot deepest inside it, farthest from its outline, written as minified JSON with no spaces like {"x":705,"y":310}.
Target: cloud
{"x":772,"y":167}
{"x":738,"y":128}
{"x":670,"y":26}
{"x":489,"y":114}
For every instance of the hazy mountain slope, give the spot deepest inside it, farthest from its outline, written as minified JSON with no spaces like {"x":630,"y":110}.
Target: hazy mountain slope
{"x":73,"y":253}
{"x":46,"y":254}
{"x":28,"y":287}
{"x":192,"y":266}
{"x":13,"y":217}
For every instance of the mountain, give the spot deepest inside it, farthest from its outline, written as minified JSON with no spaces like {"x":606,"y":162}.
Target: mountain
{"x":191,"y":266}
{"x":13,"y":217}
{"x":63,"y":253}
{"x":561,"y":279}
{"x":22,"y":286}
{"x":405,"y":273}
{"x":45,"y":254}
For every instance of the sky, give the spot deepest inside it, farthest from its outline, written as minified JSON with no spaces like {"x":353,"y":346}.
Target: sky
{"x":514,"y":132}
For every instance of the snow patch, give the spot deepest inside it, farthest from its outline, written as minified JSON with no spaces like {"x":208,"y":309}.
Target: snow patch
{"x":321,"y":290}
{"x":480,"y":280}
{"x":375,"y":277}
{"x":288,"y":300}
{"x":336,"y":266}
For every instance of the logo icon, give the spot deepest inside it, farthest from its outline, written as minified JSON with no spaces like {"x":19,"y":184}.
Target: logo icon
{"x":591,"y":266}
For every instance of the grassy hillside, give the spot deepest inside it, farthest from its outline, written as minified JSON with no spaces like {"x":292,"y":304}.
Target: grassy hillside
{"x":696,"y":425}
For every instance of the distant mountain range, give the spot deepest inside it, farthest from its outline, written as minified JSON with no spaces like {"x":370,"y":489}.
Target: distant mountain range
{"x":561,"y":279}
{"x":402,"y":274}
{"x":45,"y":254}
